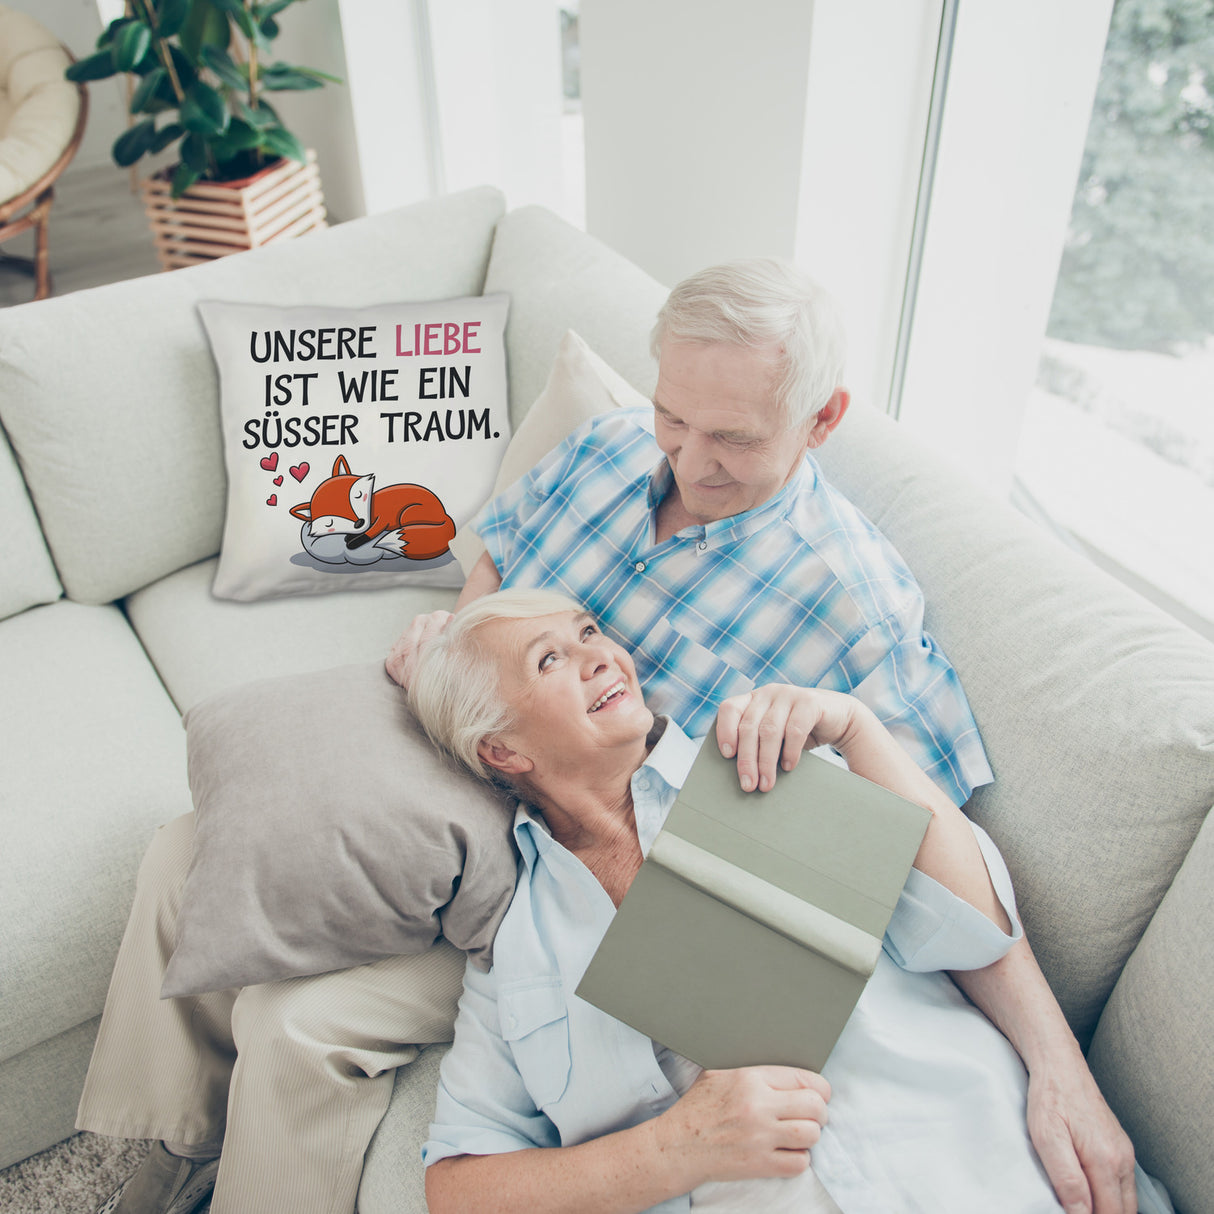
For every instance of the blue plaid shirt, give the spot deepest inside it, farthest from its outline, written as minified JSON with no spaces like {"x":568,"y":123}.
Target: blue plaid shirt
{"x":802,"y":589}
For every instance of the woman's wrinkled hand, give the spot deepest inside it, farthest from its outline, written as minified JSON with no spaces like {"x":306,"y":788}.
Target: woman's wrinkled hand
{"x":750,"y":1122}
{"x":768,"y":728}
{"x":402,"y":659}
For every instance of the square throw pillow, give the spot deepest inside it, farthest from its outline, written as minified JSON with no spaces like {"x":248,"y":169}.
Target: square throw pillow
{"x":357,"y":440}
{"x":328,"y":833}
{"x":580,"y":386}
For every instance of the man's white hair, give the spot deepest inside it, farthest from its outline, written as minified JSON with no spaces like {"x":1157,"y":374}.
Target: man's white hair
{"x":763,"y":303}
{"x":454,"y":691}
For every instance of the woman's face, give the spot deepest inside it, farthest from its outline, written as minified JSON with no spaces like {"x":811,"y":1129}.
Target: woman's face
{"x":574,"y":693}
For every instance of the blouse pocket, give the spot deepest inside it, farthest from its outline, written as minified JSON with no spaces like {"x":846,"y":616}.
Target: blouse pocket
{"x":535,"y":1023}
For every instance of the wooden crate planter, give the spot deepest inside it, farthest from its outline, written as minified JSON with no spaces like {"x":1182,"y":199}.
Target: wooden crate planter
{"x":215,"y":218}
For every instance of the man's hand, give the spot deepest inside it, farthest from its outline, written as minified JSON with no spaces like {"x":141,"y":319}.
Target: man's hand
{"x":401,"y":660}
{"x":749,"y":1122}
{"x":770,"y":727}
{"x":1086,"y":1154}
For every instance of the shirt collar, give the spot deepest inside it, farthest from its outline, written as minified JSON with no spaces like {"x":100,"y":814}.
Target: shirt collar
{"x":737,"y":526}
{"x":655,"y":784}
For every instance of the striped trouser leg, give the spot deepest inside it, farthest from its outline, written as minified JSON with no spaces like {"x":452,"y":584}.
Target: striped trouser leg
{"x":304,"y":1067}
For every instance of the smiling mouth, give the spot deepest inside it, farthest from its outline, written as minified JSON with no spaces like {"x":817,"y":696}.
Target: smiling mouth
{"x":617,"y":689}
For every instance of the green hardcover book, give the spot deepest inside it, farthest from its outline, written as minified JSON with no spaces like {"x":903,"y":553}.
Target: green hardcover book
{"x":757,"y":918}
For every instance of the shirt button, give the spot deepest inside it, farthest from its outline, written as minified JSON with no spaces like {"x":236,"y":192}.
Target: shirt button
{"x":639,"y":566}
{"x":702,"y":545}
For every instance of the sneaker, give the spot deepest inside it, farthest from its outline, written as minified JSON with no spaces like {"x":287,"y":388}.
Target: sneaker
{"x":164,"y":1184}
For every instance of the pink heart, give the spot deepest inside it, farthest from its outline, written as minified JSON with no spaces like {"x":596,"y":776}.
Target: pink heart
{"x":278,"y":480}
{"x":270,"y":462}
{"x":300,"y":471}
{"x":272,"y":500}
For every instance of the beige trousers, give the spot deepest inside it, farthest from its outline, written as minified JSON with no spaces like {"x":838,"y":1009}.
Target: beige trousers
{"x":293,"y":1076}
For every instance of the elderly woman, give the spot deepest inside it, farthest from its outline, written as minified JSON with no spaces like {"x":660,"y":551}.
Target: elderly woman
{"x":547,"y":1103}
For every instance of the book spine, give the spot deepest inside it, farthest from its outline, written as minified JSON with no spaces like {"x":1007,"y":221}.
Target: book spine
{"x":802,"y":922}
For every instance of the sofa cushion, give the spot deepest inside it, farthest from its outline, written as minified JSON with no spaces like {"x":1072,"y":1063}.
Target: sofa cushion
{"x":110,"y":396}
{"x":202,"y":645}
{"x":384,"y":426}
{"x":1097,"y":711}
{"x":1152,"y":1054}
{"x":558,"y":278}
{"x":93,"y":760}
{"x":29,"y":574}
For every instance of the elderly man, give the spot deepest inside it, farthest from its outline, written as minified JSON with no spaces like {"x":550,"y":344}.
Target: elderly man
{"x":704,"y":538}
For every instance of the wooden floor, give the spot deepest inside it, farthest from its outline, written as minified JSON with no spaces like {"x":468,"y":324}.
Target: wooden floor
{"x":98,"y":234}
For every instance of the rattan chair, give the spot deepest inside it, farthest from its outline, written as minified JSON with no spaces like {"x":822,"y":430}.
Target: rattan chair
{"x":42,"y":118}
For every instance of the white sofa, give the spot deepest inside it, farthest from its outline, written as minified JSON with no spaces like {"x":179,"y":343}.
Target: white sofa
{"x":1097,"y":711}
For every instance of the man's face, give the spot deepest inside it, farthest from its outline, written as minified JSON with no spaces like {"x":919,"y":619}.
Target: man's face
{"x":716,"y":419}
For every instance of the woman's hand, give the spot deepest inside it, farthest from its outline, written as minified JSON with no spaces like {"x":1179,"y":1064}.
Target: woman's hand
{"x":750,"y":1122}
{"x":770,"y":727}
{"x":402,"y":659}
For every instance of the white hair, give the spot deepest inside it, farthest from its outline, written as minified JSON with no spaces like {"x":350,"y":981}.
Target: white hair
{"x":454,"y":691}
{"x":763,"y":303}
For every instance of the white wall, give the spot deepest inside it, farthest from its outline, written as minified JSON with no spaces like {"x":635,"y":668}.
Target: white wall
{"x":694,"y":125}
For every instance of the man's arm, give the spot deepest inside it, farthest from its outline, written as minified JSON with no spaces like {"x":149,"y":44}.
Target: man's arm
{"x":1087,"y":1155}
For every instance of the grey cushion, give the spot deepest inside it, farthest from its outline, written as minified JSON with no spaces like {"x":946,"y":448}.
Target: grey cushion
{"x":29,"y":575}
{"x":92,"y":761}
{"x":1095,"y":708}
{"x":558,"y":279}
{"x":201,"y":645}
{"x":1153,"y":1053}
{"x":110,"y":396}
{"x":330,"y":833}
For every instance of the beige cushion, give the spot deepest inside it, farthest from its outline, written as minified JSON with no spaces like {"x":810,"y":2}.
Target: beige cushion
{"x":1096,"y":709}
{"x":1153,"y":1053}
{"x":329,"y":832}
{"x":38,"y":109}
{"x":110,"y":396}
{"x":580,"y":386}
{"x":92,"y":761}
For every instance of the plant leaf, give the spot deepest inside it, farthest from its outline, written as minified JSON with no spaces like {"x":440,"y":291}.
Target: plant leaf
{"x":130,"y":45}
{"x":183,"y":178}
{"x":95,"y":67}
{"x":225,"y":67}
{"x":144,"y":97}
{"x":203,"y":111}
{"x":171,"y":16}
{"x":269,"y":30}
{"x":166,"y":135}
{"x":281,"y":77}
{"x":106,"y":38}
{"x":262,"y":118}
{"x":271,"y":9}
{"x":205,"y":26}
{"x":281,"y":142}
{"x":132,"y":144}
{"x":241,"y":137}
{"x":194,"y":153}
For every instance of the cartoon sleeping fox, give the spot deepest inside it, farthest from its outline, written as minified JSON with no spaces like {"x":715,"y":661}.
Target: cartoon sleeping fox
{"x":349,"y":521}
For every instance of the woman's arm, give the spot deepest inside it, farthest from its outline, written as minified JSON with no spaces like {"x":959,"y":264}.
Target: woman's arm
{"x":769,"y":728}
{"x":730,"y":1125}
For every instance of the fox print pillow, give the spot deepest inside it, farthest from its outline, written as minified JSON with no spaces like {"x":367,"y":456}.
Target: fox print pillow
{"x":358,"y":441}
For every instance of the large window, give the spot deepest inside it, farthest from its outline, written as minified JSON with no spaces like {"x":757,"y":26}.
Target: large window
{"x":1117,"y":444}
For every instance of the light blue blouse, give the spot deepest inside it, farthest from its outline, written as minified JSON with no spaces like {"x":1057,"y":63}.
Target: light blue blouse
{"x":928,"y":1104}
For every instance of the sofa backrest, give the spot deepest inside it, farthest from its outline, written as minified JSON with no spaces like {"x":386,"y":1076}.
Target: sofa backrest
{"x":110,"y":396}
{"x":29,"y":574}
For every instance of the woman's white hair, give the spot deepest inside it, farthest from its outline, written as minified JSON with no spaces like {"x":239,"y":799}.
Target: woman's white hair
{"x":763,"y":303}
{"x":454,"y":691}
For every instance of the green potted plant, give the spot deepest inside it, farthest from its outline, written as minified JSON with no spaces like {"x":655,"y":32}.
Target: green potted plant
{"x":201,"y":71}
